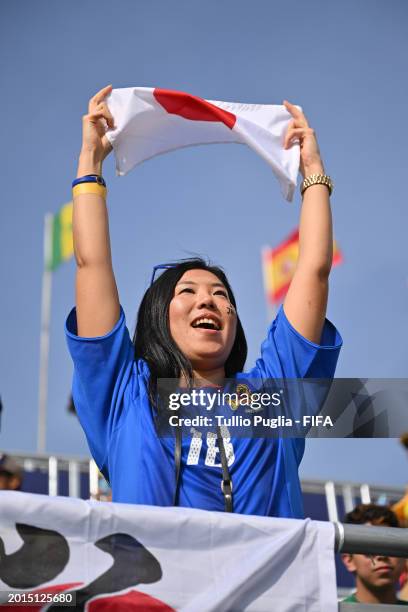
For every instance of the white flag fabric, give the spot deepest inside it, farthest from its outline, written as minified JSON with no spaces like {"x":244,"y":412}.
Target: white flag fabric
{"x":119,"y":556}
{"x":153,"y":121}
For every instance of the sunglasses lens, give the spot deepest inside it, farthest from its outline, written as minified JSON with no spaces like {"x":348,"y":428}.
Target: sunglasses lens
{"x":160,"y":267}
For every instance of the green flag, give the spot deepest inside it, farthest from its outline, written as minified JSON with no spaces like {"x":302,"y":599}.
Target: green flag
{"x":60,"y":241}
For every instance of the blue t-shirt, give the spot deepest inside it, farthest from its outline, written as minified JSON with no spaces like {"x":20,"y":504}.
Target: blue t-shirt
{"x":110,"y":392}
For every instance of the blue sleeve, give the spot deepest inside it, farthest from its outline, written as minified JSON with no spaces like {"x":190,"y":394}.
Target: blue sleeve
{"x":103,"y":383}
{"x":287,"y":354}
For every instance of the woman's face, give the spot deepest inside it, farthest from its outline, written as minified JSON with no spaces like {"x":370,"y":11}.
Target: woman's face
{"x":202,"y":320}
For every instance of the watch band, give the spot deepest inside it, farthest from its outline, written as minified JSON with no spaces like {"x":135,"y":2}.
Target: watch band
{"x":317,"y":179}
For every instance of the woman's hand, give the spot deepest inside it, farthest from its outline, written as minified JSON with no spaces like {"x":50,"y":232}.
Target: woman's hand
{"x":94,"y":126}
{"x":299,"y":130}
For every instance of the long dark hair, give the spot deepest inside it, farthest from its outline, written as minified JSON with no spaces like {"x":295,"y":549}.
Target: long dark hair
{"x":152,"y":339}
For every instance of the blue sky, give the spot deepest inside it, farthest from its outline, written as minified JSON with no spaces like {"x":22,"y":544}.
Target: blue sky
{"x":343,"y":62}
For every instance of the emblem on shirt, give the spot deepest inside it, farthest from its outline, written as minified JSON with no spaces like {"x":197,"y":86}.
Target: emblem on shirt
{"x":241,"y":397}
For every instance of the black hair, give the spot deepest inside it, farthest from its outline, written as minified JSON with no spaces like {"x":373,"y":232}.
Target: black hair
{"x":152,"y":339}
{"x":404,"y":440}
{"x":374,"y":514}
{"x":10,"y":476}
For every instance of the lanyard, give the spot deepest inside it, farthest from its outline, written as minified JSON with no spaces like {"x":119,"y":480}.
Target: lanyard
{"x":226,"y":482}
{"x":177,"y":462}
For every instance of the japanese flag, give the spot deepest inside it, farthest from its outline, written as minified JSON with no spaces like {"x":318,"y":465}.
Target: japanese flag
{"x":153,"y":121}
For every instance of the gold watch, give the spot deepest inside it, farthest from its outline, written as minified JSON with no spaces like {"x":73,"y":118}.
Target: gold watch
{"x":317,"y":179}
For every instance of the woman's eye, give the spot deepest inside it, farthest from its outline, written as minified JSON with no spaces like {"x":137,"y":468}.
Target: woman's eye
{"x":220,"y":292}
{"x":187,"y":290}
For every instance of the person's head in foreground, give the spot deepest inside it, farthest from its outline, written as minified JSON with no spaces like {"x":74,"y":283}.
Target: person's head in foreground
{"x":187,"y":326}
{"x":10,"y":474}
{"x":401,"y":506}
{"x":376,"y":575}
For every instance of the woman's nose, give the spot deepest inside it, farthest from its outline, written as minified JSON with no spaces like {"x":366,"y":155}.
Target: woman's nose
{"x":206,"y":300}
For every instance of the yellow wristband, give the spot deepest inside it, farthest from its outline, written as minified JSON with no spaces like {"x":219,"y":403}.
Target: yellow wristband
{"x":82,"y":188}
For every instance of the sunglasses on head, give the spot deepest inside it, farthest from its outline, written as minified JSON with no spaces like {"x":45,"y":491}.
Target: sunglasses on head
{"x":165,"y":266}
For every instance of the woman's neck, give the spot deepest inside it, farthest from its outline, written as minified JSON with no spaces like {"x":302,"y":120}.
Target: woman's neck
{"x":206,"y":378}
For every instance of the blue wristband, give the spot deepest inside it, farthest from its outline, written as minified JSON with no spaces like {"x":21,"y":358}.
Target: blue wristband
{"x":89,"y":178}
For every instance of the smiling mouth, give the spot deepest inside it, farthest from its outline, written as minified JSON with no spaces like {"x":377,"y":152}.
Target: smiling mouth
{"x":206,"y":323}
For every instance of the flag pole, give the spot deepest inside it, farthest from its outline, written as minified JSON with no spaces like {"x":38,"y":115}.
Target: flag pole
{"x":44,"y":335}
{"x":271,"y":310}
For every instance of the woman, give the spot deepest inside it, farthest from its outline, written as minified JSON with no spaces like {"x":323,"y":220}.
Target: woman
{"x":188,"y":329}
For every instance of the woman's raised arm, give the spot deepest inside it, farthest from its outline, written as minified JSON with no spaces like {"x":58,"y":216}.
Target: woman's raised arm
{"x":306,"y":301}
{"x":97,"y":298}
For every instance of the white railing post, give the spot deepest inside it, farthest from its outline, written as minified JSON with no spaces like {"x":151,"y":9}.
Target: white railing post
{"x":331,"y":501}
{"x":73,"y":479}
{"x":365,"y":494}
{"x":93,"y":480}
{"x":52,"y":476}
{"x":348,"y":498}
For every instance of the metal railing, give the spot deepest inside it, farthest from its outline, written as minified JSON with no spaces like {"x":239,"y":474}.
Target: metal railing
{"x":53,"y":465}
{"x":350,"y":493}
{"x":371,"y":540}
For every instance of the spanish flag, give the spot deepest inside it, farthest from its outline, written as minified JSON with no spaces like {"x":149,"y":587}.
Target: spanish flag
{"x":279,"y":265}
{"x":60,"y":241}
